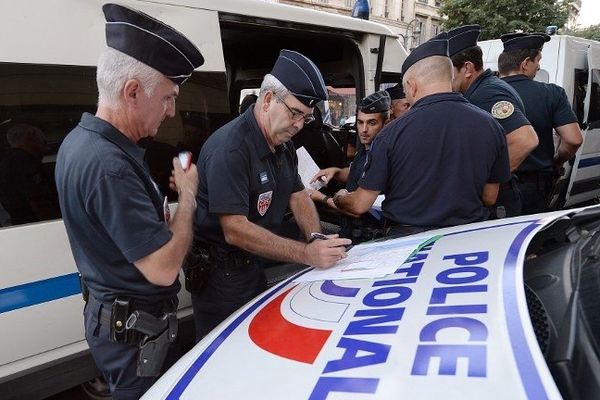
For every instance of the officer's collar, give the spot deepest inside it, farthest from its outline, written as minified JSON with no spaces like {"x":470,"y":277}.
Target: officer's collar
{"x":105,"y":129}
{"x":486,"y":74}
{"x":515,"y":78}
{"x":437,"y":97}
{"x":260,"y":141}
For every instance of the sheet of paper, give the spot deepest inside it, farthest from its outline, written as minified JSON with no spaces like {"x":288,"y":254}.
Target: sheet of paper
{"x":369,"y":260}
{"x":307,"y":168}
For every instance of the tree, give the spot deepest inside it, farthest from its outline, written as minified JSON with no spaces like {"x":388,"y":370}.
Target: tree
{"x":497,"y":17}
{"x":591,"y":32}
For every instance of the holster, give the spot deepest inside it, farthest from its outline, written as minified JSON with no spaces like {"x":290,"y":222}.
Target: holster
{"x":196,"y":267}
{"x":157,"y":336}
{"x":118,"y":320}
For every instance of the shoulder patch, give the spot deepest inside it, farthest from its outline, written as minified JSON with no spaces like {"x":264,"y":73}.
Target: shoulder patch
{"x":502,"y":109}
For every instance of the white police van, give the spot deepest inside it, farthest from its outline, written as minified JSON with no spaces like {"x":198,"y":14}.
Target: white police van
{"x":574,"y":64}
{"x":504,"y":309}
{"x":47,"y":79}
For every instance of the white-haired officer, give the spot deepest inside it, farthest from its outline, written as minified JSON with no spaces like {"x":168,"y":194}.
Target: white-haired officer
{"x":248,"y":179}
{"x":128,"y":250}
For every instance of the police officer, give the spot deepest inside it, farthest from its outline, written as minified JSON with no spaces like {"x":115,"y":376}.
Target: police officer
{"x":489,"y":93}
{"x":441,"y":163}
{"x":373,"y":114}
{"x":548,"y":109}
{"x":249,"y":178}
{"x":400,"y":104}
{"x":128,"y":250}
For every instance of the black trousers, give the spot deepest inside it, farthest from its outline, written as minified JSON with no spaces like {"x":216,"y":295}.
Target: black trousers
{"x":535,"y":191}
{"x":226,"y":289}
{"x":509,"y":202}
{"x":117,"y":361}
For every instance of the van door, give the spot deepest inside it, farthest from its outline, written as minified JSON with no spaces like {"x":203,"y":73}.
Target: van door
{"x":585,"y":177}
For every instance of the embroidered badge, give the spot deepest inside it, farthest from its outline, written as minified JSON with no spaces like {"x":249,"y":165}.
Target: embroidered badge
{"x":264,"y":178}
{"x":263,"y":203}
{"x":503,"y":109}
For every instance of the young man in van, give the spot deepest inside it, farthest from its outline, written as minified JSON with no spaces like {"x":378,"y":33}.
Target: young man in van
{"x":373,"y":114}
{"x":547,"y":108}
{"x":489,"y":93}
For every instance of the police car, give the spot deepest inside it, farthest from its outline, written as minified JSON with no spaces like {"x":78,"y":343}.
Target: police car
{"x":502,"y":309}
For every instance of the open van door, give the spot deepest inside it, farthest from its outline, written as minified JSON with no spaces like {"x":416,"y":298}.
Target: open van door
{"x":584,"y":184}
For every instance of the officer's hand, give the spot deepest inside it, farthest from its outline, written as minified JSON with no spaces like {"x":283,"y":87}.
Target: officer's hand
{"x":324,"y":175}
{"x":184,"y":181}
{"x":325,"y":253}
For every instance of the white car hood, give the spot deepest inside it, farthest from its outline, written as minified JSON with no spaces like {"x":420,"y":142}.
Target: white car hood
{"x":452,"y":322}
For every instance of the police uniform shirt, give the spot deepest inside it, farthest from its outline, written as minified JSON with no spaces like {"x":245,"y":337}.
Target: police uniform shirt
{"x":240,"y":175}
{"x":547,"y":107}
{"x":357,"y":168}
{"x":495,"y":96}
{"x":112,"y":211}
{"x":433,"y":163}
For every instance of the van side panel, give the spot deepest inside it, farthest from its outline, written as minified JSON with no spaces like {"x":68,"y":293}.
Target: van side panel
{"x":74,"y":32}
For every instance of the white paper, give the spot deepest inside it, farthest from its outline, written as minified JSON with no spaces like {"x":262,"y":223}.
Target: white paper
{"x":378,"y":201}
{"x":367,"y":260}
{"x":307,"y":168}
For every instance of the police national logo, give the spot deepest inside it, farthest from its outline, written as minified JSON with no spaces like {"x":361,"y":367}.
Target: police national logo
{"x":503,"y":109}
{"x":263,"y":203}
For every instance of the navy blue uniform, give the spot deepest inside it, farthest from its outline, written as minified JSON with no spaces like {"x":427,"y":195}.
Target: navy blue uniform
{"x":547,"y":107}
{"x":239,"y":175}
{"x":113,"y":214}
{"x":486,"y":92}
{"x":432,"y":164}
{"x":367,"y":226}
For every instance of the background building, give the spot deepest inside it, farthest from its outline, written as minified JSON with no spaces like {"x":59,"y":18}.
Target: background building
{"x":415,"y":21}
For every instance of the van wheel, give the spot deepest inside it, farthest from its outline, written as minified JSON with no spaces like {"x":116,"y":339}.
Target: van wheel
{"x":96,"y":389}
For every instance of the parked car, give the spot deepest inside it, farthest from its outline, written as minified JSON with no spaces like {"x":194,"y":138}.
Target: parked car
{"x":503,"y":309}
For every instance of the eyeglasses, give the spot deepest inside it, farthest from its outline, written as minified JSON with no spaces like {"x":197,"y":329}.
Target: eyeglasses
{"x":296,"y":115}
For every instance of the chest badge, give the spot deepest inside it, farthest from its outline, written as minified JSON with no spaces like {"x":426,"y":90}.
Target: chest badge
{"x":264,"y":201}
{"x":502,"y":109}
{"x":264,"y":178}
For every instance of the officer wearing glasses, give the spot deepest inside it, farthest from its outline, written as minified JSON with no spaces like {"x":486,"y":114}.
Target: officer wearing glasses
{"x":248,"y":179}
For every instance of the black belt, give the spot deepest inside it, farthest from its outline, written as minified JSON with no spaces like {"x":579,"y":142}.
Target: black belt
{"x":106,"y":309}
{"x":227,"y":258}
{"x":535,"y":176}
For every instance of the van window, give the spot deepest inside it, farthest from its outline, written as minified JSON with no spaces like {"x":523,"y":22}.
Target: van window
{"x":48,"y":100}
{"x":579,"y":91}
{"x":594,"y":113}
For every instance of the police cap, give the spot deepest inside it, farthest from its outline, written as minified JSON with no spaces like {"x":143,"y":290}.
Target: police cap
{"x":462,"y":38}
{"x":433,"y":47}
{"x":520,"y":41}
{"x":301,"y":77}
{"x":151,"y":42}
{"x":375,"y":103}
{"x":396,"y":92}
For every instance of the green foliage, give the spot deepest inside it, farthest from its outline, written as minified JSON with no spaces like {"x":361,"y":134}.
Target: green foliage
{"x":591,"y":32}
{"x":501,"y":16}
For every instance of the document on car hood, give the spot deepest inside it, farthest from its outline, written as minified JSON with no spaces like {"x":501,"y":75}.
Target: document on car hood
{"x":369,"y":260}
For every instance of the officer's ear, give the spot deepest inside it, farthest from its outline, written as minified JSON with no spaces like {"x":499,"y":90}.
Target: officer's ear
{"x":131,"y":90}
{"x":469,"y":69}
{"x":266,"y":100}
{"x":410,"y":88}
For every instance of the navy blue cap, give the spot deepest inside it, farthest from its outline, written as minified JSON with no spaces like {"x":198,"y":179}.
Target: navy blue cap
{"x":301,"y":77}
{"x":519,"y":41}
{"x":433,"y":47}
{"x":151,"y":42}
{"x":396,"y":92}
{"x":376,"y":102}
{"x":462,"y":38}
